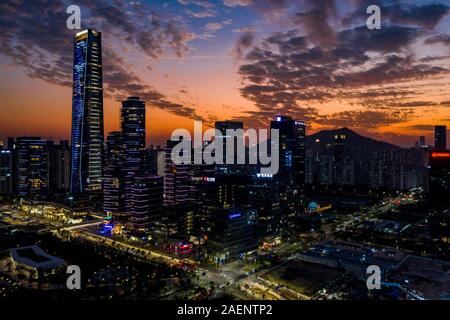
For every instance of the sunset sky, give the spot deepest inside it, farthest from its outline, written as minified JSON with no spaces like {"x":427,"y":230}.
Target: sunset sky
{"x":234,"y":59}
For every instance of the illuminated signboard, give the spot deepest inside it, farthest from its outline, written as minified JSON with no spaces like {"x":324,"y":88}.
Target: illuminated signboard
{"x":440,"y":154}
{"x":234,"y":215}
{"x":206,"y":179}
{"x":183,"y":247}
{"x":264,"y":175}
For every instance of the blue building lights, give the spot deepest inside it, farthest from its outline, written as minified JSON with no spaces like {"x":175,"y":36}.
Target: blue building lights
{"x":87,"y":114}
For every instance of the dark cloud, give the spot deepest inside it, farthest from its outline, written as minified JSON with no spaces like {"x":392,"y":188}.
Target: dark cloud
{"x":138,"y":24}
{"x":422,"y":127}
{"x":415,"y":104}
{"x":287,"y":71}
{"x":34,"y":36}
{"x":244,"y":42}
{"x":427,"y":16}
{"x":364,"y":119}
{"x":405,"y":13}
{"x":279,"y":73}
{"x":388,"y":39}
{"x":316,"y":21}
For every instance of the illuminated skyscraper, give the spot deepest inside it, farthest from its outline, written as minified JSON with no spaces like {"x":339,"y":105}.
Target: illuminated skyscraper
{"x":292,"y":169}
{"x":87,"y":114}
{"x":292,"y":148}
{"x":132,"y":125}
{"x":32,"y":167}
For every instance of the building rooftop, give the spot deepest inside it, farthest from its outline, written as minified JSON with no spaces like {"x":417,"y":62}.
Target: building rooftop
{"x":429,"y":278}
{"x":35,"y":257}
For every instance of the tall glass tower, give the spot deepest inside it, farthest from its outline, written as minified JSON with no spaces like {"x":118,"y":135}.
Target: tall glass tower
{"x":132,"y":125}
{"x":87,"y":114}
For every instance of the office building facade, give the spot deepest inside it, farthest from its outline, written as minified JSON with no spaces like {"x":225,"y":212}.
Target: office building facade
{"x":132,"y":127}
{"x":87,"y":114}
{"x":32,"y":168}
{"x":233,"y":234}
{"x":291,"y":149}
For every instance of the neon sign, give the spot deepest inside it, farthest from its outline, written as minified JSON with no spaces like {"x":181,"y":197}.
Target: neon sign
{"x":264,"y":175}
{"x":440,"y":154}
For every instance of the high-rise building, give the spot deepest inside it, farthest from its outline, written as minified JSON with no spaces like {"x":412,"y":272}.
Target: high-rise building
{"x":114,"y":194}
{"x":32,"y":167}
{"x":264,"y":196}
{"x":113,"y":181}
{"x":146,"y":200}
{"x":440,"y":138}
{"x":132,"y":126}
{"x":5,"y":171}
{"x":202,"y":194}
{"x":176,"y":180}
{"x":143,"y":192}
{"x":87,"y":114}
{"x":234,"y":140}
{"x":339,"y":147}
{"x":114,"y":149}
{"x":291,"y":148}
{"x":59,"y":166}
{"x":234,"y":234}
{"x":439,"y":177}
{"x":178,"y":215}
{"x":439,"y":227}
{"x":344,"y":169}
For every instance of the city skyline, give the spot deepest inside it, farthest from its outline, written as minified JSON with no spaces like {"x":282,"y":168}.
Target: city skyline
{"x":277,"y":173}
{"x":211,"y":60}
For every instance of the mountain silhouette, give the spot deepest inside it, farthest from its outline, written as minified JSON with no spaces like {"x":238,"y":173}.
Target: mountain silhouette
{"x":353,"y":140}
